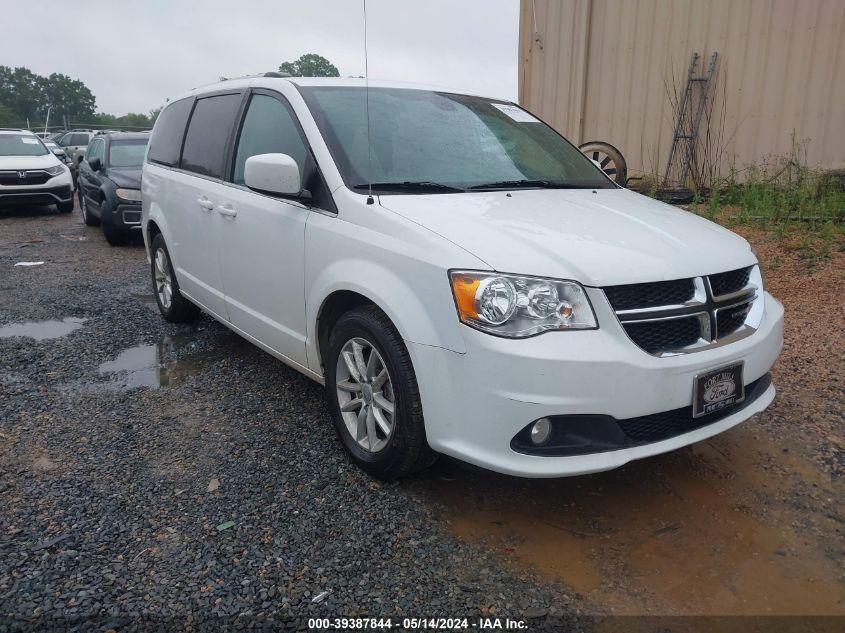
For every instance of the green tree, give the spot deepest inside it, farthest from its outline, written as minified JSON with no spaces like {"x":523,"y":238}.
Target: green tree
{"x":8,"y":118}
{"x":29,"y":95}
{"x":310,"y":65}
{"x":21,"y":91}
{"x":68,"y":97}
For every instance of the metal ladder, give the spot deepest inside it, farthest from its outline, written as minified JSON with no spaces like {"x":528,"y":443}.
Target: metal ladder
{"x":688,"y":120}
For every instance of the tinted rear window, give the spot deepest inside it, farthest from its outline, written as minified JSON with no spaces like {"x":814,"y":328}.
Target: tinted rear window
{"x":208,"y":132}
{"x":166,"y":141}
{"x":79,"y":139}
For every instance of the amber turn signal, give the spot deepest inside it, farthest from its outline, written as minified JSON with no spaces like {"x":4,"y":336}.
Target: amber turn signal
{"x":465,"y":288}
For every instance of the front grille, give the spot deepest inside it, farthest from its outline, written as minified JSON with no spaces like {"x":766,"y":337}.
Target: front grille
{"x":662,"y":426}
{"x":667,"y":317}
{"x":12,"y":178}
{"x":731,"y":281}
{"x":729,"y":320}
{"x":633,"y":296}
{"x":661,"y":336}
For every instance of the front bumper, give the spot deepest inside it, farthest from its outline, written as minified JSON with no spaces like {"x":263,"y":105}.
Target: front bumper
{"x":126,"y":216}
{"x":41,"y":195}
{"x":475,"y":403}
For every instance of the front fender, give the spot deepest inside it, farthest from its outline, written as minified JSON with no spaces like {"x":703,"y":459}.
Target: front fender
{"x":397,"y":265}
{"x":421,"y":315}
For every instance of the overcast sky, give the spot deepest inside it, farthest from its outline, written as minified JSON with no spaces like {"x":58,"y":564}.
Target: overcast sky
{"x":134,"y":55}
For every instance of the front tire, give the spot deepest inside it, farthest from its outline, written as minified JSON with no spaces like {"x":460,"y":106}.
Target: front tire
{"x":373,"y":396}
{"x":113,"y":235}
{"x":65,"y":207}
{"x":173,"y":306}
{"x":87,"y":217}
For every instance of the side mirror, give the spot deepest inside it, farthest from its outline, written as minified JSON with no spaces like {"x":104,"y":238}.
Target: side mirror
{"x":273,"y":173}
{"x":95,"y":164}
{"x":59,"y":152}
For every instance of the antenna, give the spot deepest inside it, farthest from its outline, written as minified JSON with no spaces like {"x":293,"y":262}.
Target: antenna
{"x":367,"y":97}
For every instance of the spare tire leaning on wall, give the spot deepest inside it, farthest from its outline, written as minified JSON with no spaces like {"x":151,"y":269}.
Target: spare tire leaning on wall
{"x":611,"y":160}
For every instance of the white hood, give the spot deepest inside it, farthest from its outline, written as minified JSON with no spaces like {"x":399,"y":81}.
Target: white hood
{"x":28,"y":162}
{"x":601,"y":238}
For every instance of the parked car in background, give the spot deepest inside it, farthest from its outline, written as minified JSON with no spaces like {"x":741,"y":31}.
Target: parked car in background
{"x":58,"y":151}
{"x":74,"y":143}
{"x":110,"y":184}
{"x":468,"y":283}
{"x":43,"y":135}
{"x":62,"y":154}
{"x":31,"y":174}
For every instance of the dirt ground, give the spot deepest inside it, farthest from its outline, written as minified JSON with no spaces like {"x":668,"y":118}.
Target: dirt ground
{"x":749,"y":522}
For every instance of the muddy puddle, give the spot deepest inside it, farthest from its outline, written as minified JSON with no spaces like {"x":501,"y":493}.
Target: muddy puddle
{"x":169,"y":361}
{"x":41,"y":330}
{"x":736,"y":525}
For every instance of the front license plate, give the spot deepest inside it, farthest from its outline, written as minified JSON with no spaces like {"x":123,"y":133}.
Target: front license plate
{"x":717,"y":389}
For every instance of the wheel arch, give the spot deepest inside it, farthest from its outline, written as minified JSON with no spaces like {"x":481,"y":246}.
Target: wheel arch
{"x":333,"y":307}
{"x":418,"y":317}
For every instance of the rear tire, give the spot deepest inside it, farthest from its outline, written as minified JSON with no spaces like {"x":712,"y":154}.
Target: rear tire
{"x":173,"y":306}
{"x":365,"y":337}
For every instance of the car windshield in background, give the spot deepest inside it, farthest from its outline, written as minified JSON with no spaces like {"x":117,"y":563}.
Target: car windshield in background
{"x":127,"y":153}
{"x":437,"y":142}
{"x":21,"y":145}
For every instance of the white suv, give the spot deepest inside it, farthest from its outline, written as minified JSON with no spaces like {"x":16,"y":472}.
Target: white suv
{"x":31,"y":174}
{"x":459,"y":276}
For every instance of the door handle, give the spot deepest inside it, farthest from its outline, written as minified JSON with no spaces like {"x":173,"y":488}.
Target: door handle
{"x":227,"y":210}
{"x":205,"y":203}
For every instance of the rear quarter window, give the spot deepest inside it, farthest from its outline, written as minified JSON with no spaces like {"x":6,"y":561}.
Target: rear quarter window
{"x":208,"y":134}
{"x":166,"y":140}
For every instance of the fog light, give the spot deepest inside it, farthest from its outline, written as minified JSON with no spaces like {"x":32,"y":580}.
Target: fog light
{"x":540,"y":431}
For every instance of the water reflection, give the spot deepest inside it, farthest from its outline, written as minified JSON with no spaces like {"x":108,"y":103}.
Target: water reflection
{"x":42,"y":330}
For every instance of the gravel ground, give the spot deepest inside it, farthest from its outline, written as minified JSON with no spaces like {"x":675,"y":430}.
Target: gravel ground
{"x":113,"y":500}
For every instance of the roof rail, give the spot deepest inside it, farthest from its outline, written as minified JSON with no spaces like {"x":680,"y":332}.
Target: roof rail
{"x":277,"y":74}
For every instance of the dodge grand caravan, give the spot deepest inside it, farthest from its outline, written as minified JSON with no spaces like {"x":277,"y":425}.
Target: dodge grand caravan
{"x":459,"y":276}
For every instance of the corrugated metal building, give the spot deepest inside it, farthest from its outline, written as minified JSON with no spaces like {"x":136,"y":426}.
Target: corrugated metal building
{"x":604,"y":69}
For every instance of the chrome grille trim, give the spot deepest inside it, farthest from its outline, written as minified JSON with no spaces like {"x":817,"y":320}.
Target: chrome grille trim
{"x":708,"y":308}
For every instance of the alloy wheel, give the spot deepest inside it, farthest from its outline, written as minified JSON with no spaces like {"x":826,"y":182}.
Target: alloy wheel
{"x":365,"y":394}
{"x":84,"y":210}
{"x":163,"y":283}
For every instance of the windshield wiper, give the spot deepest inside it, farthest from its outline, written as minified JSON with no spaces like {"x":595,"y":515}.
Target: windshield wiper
{"x":530,"y":184}
{"x":407,"y":185}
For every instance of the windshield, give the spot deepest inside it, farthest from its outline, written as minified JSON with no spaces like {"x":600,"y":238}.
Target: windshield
{"x":442,"y":142}
{"x":21,"y":145}
{"x":127,"y":153}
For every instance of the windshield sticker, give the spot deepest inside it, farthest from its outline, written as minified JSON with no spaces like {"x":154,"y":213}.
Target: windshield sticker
{"x":29,"y":141}
{"x":515,"y":113}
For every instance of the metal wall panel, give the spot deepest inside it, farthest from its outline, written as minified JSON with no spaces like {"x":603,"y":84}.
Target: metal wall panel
{"x":603,"y":70}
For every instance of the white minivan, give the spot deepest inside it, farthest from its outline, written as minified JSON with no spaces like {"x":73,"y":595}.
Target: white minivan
{"x":459,"y":276}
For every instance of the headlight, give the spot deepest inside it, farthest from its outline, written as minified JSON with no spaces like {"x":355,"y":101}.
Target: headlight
{"x":129,"y":194}
{"x":516,"y":306}
{"x":55,"y":171}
